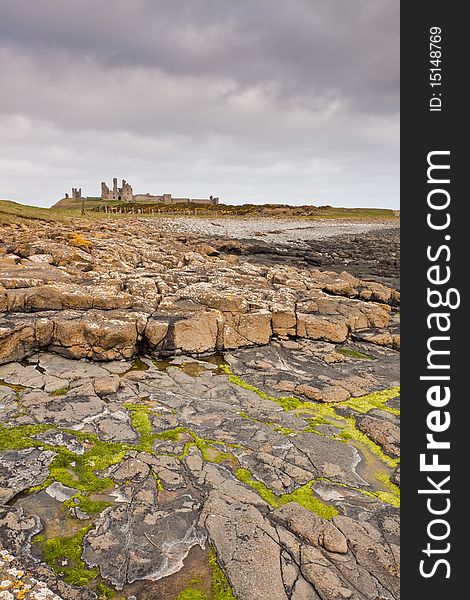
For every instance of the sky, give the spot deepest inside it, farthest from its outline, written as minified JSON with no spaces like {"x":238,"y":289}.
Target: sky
{"x":265,"y":101}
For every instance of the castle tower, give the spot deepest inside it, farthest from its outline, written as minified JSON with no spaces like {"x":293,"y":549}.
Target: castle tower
{"x":104,"y":191}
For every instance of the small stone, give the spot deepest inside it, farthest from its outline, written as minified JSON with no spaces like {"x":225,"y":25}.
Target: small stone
{"x":60,"y":492}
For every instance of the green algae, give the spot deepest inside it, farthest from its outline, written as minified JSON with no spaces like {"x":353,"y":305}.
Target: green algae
{"x":140,"y":421}
{"x":80,"y":471}
{"x":68,"y":468}
{"x":214,"y":455}
{"x":64,"y":555}
{"x":364,"y":404}
{"x":392,"y":495}
{"x":60,"y":392}
{"x":192,"y":593}
{"x":105,"y":591}
{"x":351,"y":353}
{"x":91,"y":507}
{"x":205,"y":445}
{"x":220,"y":587}
{"x":324,"y":414}
{"x":138,"y":365}
{"x":19,"y":438}
{"x":209,"y":450}
{"x":171,"y":434}
{"x":158,"y":482}
{"x":286,"y":403}
{"x":321,"y":412}
{"x":303,"y":495}
{"x":16,"y":388}
{"x":351,"y":433}
{"x":277,"y":428}
{"x":286,"y":430}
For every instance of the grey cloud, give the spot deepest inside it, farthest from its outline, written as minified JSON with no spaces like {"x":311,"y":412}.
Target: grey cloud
{"x":348,"y":49}
{"x":256,"y":101}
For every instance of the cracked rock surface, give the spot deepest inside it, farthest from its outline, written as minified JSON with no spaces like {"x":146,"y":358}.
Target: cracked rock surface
{"x":177,"y":421}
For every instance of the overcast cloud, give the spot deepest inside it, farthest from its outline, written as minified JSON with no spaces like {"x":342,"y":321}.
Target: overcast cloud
{"x":292,"y":101}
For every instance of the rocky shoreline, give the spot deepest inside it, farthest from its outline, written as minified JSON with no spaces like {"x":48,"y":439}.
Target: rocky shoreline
{"x":186,"y":419}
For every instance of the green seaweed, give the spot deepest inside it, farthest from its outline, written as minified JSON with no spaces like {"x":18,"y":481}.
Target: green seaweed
{"x":191,"y":593}
{"x":68,"y":468}
{"x":158,"y":482}
{"x":214,"y":455}
{"x":392,"y":496}
{"x":286,"y":430}
{"x":171,"y":434}
{"x":325,"y":414}
{"x":80,"y":471}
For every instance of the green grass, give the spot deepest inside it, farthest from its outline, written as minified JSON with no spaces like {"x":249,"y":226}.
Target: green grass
{"x":13,"y":212}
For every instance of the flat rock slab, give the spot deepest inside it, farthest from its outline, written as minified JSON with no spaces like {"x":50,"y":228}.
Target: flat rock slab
{"x":22,"y":469}
{"x":135,"y":540}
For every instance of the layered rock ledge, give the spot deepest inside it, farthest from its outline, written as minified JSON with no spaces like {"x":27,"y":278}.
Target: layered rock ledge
{"x":107,"y":290}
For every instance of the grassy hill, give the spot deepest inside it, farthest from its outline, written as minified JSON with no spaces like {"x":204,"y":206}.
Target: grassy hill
{"x":69,"y":208}
{"x":13,"y":212}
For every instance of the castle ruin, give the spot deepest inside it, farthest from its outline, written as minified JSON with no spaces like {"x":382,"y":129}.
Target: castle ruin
{"x":123,"y":193}
{"x":76,"y":194}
